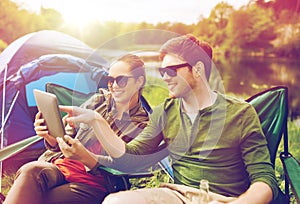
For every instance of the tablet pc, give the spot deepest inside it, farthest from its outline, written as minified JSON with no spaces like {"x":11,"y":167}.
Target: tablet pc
{"x":48,"y":105}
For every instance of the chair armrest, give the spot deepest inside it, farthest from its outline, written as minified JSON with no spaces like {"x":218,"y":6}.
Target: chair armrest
{"x":117,"y":173}
{"x":292,"y":172}
{"x":17,"y":147}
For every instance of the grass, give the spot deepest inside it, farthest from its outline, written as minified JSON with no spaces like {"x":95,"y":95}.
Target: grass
{"x":155,"y":91}
{"x":294,"y":141}
{"x":7,"y":181}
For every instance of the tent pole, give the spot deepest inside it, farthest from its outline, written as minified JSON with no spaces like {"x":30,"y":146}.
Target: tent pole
{"x":2,"y":121}
{"x":9,"y":111}
{"x":2,"y":131}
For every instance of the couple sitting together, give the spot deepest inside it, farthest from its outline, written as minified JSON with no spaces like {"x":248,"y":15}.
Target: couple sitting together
{"x":207,"y":135}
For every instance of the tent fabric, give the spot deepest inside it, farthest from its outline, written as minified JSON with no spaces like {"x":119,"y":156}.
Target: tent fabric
{"x":19,"y":125}
{"x":34,"y":45}
{"x":34,"y":60}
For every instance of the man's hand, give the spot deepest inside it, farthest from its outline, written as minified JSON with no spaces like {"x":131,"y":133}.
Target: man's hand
{"x":108,"y":139}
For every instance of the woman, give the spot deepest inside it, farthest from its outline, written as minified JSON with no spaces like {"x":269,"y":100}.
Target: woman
{"x":67,"y":171}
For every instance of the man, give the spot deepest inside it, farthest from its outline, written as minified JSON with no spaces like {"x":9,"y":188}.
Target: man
{"x":60,"y":176}
{"x":208,"y":135}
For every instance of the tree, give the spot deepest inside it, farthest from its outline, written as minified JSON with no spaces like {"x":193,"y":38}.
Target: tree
{"x":3,"y":45}
{"x":205,"y":29}
{"x":10,"y":21}
{"x":52,"y":18}
{"x":293,"y":6}
{"x":213,"y":27}
{"x":180,"y":28}
{"x":16,"y":22}
{"x":252,"y":28}
{"x":220,"y":14}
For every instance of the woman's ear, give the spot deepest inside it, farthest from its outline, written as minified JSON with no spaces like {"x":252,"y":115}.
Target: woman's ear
{"x":141,"y":81}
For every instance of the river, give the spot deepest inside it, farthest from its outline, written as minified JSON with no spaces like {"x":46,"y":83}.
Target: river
{"x":246,"y":76}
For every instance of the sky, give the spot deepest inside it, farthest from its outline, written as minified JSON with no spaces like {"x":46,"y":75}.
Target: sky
{"x":151,"y":11}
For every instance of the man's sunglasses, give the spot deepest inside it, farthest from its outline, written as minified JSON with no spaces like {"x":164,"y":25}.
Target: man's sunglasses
{"x":172,"y":70}
{"x":120,"y":80}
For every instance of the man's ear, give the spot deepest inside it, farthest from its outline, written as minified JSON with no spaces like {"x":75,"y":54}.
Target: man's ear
{"x":199,"y":69}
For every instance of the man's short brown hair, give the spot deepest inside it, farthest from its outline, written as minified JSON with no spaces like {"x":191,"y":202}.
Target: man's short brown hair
{"x":189,"y":49}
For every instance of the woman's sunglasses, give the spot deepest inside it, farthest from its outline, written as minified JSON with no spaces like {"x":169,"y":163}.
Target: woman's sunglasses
{"x":120,"y":80}
{"x":172,"y":70}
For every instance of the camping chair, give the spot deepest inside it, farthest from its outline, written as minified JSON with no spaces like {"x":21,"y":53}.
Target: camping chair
{"x":65,"y":96}
{"x":272,"y":108}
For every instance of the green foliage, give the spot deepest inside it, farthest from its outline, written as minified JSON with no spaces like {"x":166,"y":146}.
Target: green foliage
{"x":294,"y":141}
{"x":16,"y":22}
{"x":12,"y":23}
{"x":7,"y":181}
{"x":221,"y":14}
{"x":3,"y":45}
{"x":213,"y":28}
{"x":291,"y":48}
{"x":291,"y":6}
{"x":252,"y":28}
{"x":51,"y":18}
{"x":150,"y":182}
{"x":155,"y":91}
